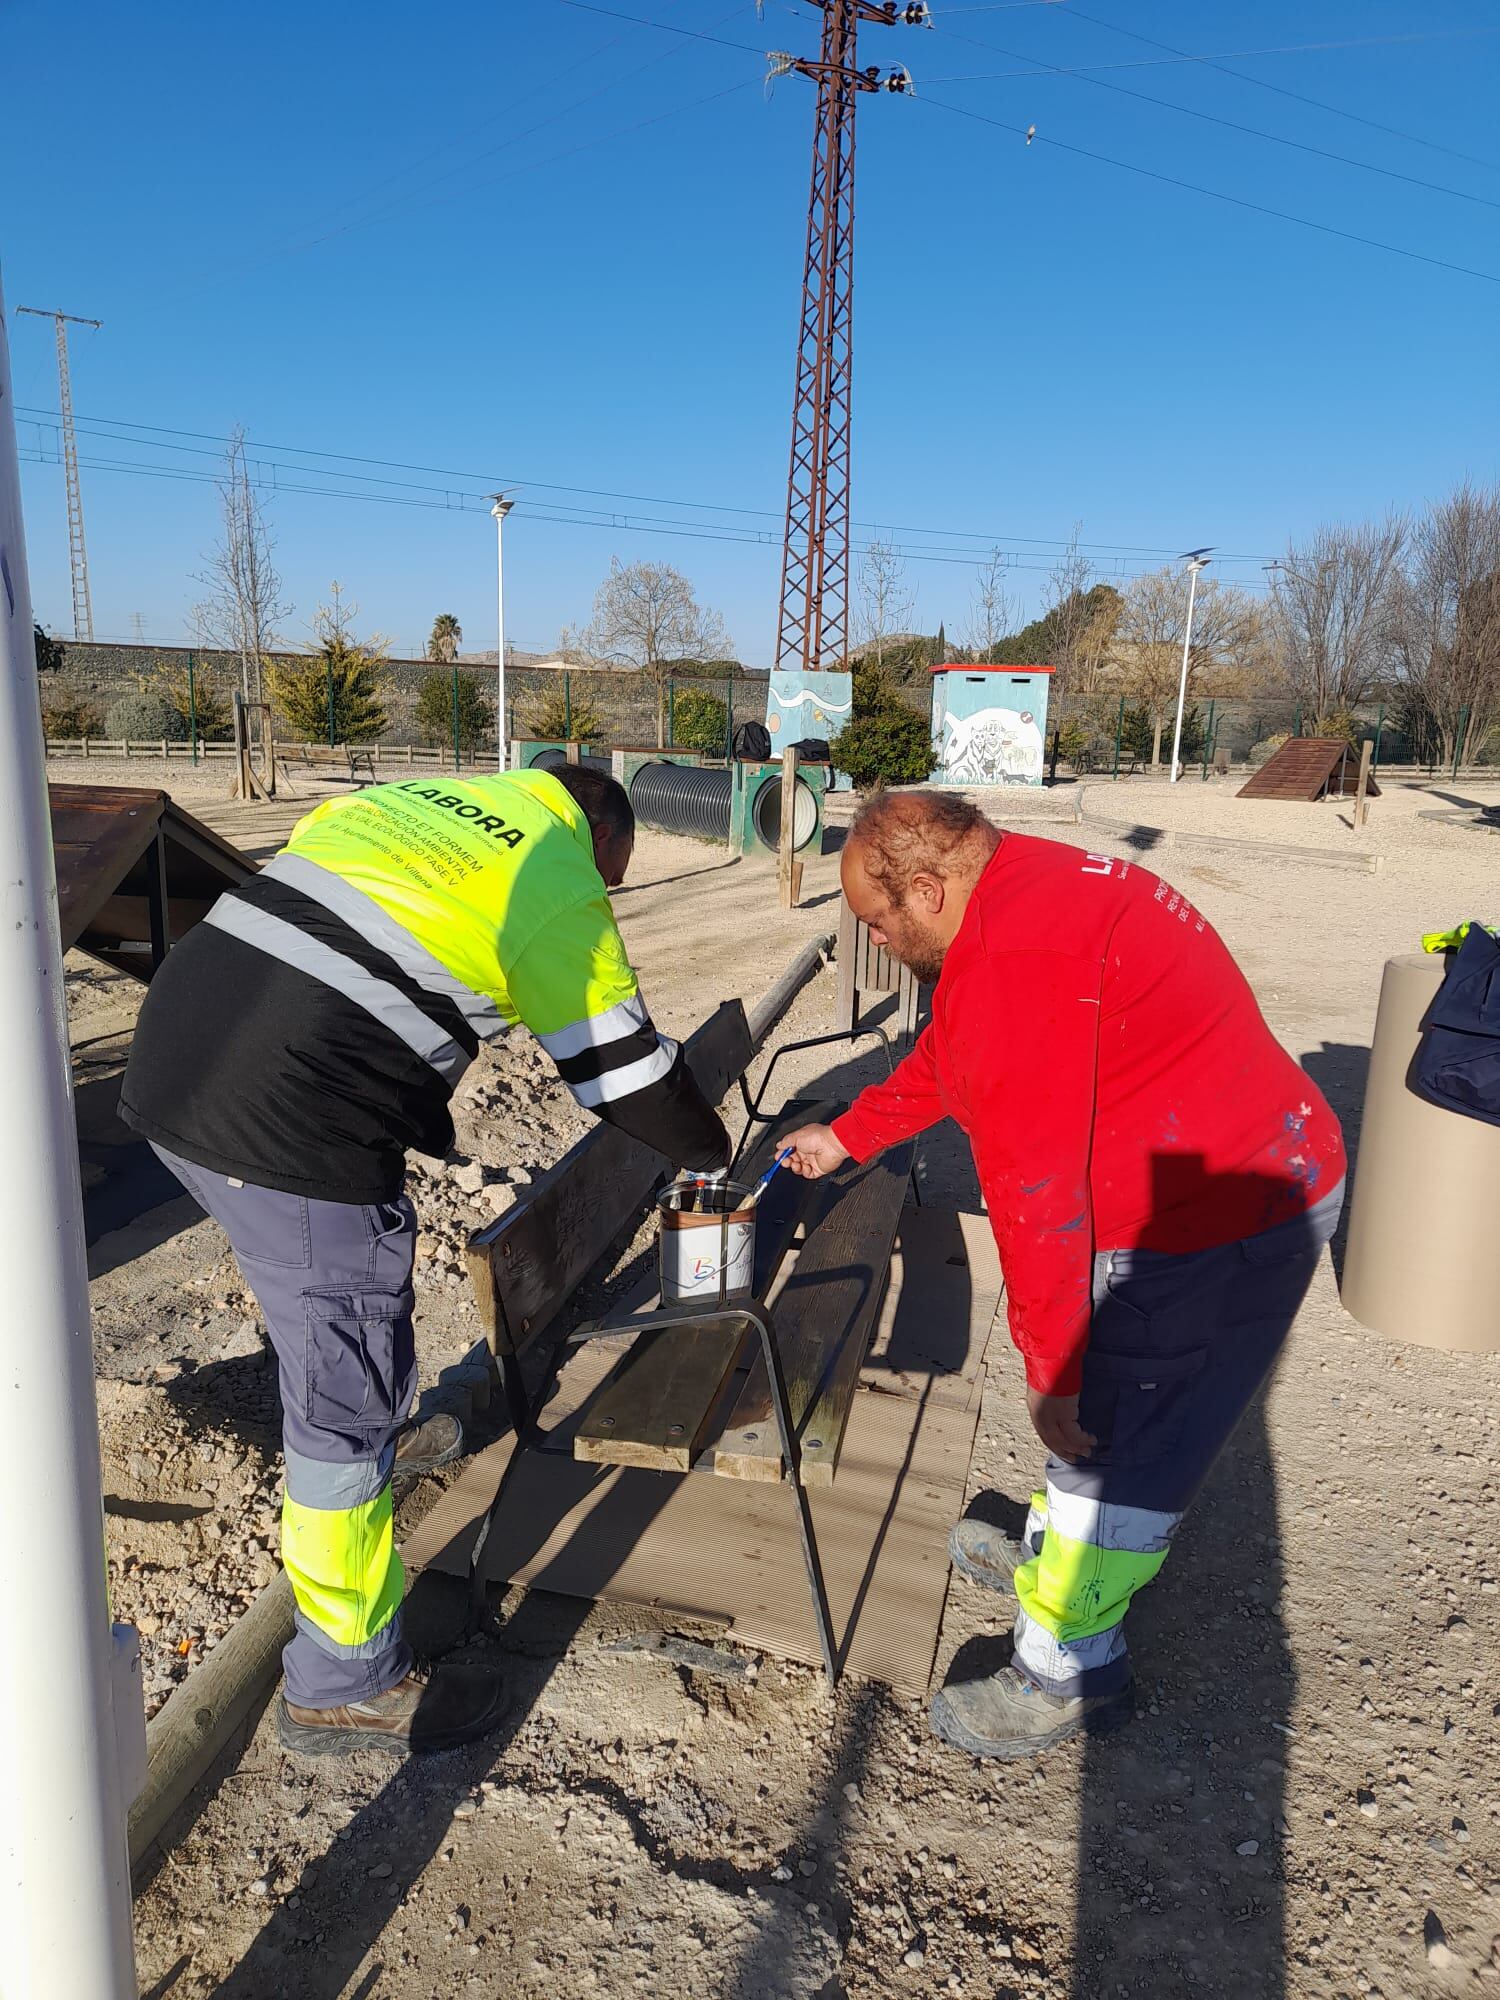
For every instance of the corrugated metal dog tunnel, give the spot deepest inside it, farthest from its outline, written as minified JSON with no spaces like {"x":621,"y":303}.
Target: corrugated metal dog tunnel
{"x":556,"y":760}
{"x":677,"y":799}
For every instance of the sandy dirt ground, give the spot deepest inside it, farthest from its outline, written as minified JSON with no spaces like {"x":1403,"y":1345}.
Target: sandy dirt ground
{"x":1308,"y":1803}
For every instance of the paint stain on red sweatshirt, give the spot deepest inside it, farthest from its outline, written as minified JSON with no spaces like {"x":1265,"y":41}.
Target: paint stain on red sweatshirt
{"x":1117,"y":1082}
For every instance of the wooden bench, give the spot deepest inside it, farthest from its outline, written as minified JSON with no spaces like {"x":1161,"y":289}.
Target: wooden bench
{"x":754,"y":1387}
{"x":337,"y":760}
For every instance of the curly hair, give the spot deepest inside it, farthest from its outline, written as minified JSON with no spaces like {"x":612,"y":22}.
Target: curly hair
{"x":913,"y":833}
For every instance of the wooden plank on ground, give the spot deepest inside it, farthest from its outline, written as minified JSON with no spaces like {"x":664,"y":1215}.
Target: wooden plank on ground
{"x":526,"y":1265}
{"x":824,"y":1316}
{"x":658,"y":1407}
{"x":940,"y":1305}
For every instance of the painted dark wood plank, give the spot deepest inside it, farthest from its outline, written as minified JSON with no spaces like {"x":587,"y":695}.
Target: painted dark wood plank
{"x":526,"y":1264}
{"x":824,"y":1318}
{"x":657,"y":1408}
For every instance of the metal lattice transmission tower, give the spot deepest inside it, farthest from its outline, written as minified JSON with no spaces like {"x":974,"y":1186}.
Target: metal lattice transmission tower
{"x":813,"y":624}
{"x":83,"y":610}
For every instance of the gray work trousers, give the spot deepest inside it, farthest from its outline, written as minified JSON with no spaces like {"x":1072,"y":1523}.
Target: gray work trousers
{"x":1178,"y":1348}
{"x":333,"y":1280}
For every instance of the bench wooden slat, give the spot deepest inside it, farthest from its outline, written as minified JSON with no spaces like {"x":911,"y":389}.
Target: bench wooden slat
{"x":526,"y":1265}
{"x":824,"y":1317}
{"x":657,"y":1409}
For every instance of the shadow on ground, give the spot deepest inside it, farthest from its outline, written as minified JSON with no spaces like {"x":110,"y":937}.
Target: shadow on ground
{"x":314,"y":1951}
{"x":1341,"y":1070}
{"x":1167,"y":1904}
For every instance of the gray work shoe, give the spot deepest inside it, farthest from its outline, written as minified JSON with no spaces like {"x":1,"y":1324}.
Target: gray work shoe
{"x":434,"y":1708}
{"x":422,"y":1447}
{"x":985,"y":1555}
{"x":1007,"y":1715}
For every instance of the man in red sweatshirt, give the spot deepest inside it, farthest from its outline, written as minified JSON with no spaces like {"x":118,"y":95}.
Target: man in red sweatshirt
{"x":1161,"y":1178}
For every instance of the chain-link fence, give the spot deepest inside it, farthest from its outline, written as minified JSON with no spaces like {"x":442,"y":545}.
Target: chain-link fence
{"x":1113,"y":735}
{"x":414,"y":710}
{"x":143,"y":696}
{"x":1116,"y":735}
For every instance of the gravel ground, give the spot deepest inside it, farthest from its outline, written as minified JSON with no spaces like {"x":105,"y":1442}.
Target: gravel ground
{"x":1307,"y":1805}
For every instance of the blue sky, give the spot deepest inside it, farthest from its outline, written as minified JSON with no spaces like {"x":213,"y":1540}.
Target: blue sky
{"x":535,"y":243}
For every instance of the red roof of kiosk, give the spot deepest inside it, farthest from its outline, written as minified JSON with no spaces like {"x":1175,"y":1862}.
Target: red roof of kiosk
{"x":990,"y":667}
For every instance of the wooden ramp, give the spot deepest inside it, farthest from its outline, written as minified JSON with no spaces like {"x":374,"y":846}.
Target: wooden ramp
{"x":134,"y":873}
{"x":1306,"y":768}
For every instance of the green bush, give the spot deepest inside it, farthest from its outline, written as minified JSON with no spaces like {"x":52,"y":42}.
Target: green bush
{"x":1338,"y":722}
{"x":202,"y":701}
{"x":1075,"y":744}
{"x":885,"y":741}
{"x":345,"y":673}
{"x":49,"y":651}
{"x":891,"y":747}
{"x":1140,"y":732}
{"x":1262,"y":752}
{"x":145,"y":718}
{"x":476,"y":714}
{"x":70,"y":716}
{"x":699,"y":721}
{"x":556,"y":719}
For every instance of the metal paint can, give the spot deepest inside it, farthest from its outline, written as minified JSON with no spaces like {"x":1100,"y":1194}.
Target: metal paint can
{"x":707,"y":1249}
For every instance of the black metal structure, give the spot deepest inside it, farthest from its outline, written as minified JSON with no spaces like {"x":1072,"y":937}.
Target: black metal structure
{"x":556,"y":760}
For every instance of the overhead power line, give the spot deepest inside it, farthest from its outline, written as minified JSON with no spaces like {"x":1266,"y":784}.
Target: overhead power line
{"x":206,"y":444}
{"x":1228,"y":124}
{"x":665,"y":27}
{"x":1105,"y":569}
{"x":1316,"y":103}
{"x":1214,"y":194}
{"x":398,"y":202}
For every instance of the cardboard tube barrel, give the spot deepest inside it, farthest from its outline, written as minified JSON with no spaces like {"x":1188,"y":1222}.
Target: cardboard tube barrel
{"x":1426,"y":1205}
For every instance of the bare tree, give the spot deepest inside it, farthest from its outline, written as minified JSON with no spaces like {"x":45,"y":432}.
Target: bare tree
{"x":886,"y":601}
{"x":1446,"y":623}
{"x":243,"y":605}
{"x":1331,"y":607}
{"x":646,"y":617}
{"x":1227,"y":639}
{"x":993,"y":616}
{"x":1066,"y":612}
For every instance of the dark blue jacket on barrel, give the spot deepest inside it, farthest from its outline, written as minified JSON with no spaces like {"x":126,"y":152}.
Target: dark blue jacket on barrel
{"x":1457,"y":1064}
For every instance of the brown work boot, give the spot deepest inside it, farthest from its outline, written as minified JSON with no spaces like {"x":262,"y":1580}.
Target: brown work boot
{"x":423,"y":1446}
{"x":432,"y":1709}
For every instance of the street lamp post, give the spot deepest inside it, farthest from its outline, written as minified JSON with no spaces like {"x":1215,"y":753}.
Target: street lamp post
{"x":1196,"y":560}
{"x":72,"y":1754}
{"x":500,"y":509}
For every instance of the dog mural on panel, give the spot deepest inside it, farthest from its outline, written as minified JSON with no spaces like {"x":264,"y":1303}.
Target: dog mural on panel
{"x":994,"y":746}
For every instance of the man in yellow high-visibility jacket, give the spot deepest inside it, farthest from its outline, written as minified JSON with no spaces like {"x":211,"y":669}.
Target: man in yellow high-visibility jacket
{"x":289,"y":1051}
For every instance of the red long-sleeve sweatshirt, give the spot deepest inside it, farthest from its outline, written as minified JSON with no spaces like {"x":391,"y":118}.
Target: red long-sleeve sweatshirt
{"x":1119,"y":1087}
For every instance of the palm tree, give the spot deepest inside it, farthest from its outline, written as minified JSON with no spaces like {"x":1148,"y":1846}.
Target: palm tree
{"x":446,"y":634}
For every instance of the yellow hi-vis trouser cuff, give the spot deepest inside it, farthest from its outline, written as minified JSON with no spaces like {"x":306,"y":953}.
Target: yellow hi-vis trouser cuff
{"x":1073,"y":1590}
{"x":345,"y":1573}
{"x":1083,"y":1580}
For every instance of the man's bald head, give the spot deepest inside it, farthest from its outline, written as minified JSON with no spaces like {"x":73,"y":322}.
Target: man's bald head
{"x":909,"y":868}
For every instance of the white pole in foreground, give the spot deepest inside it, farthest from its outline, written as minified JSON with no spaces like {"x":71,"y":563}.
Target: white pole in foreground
{"x":1197,"y":560}
{"x":500,"y":509}
{"x":64,"y":1872}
